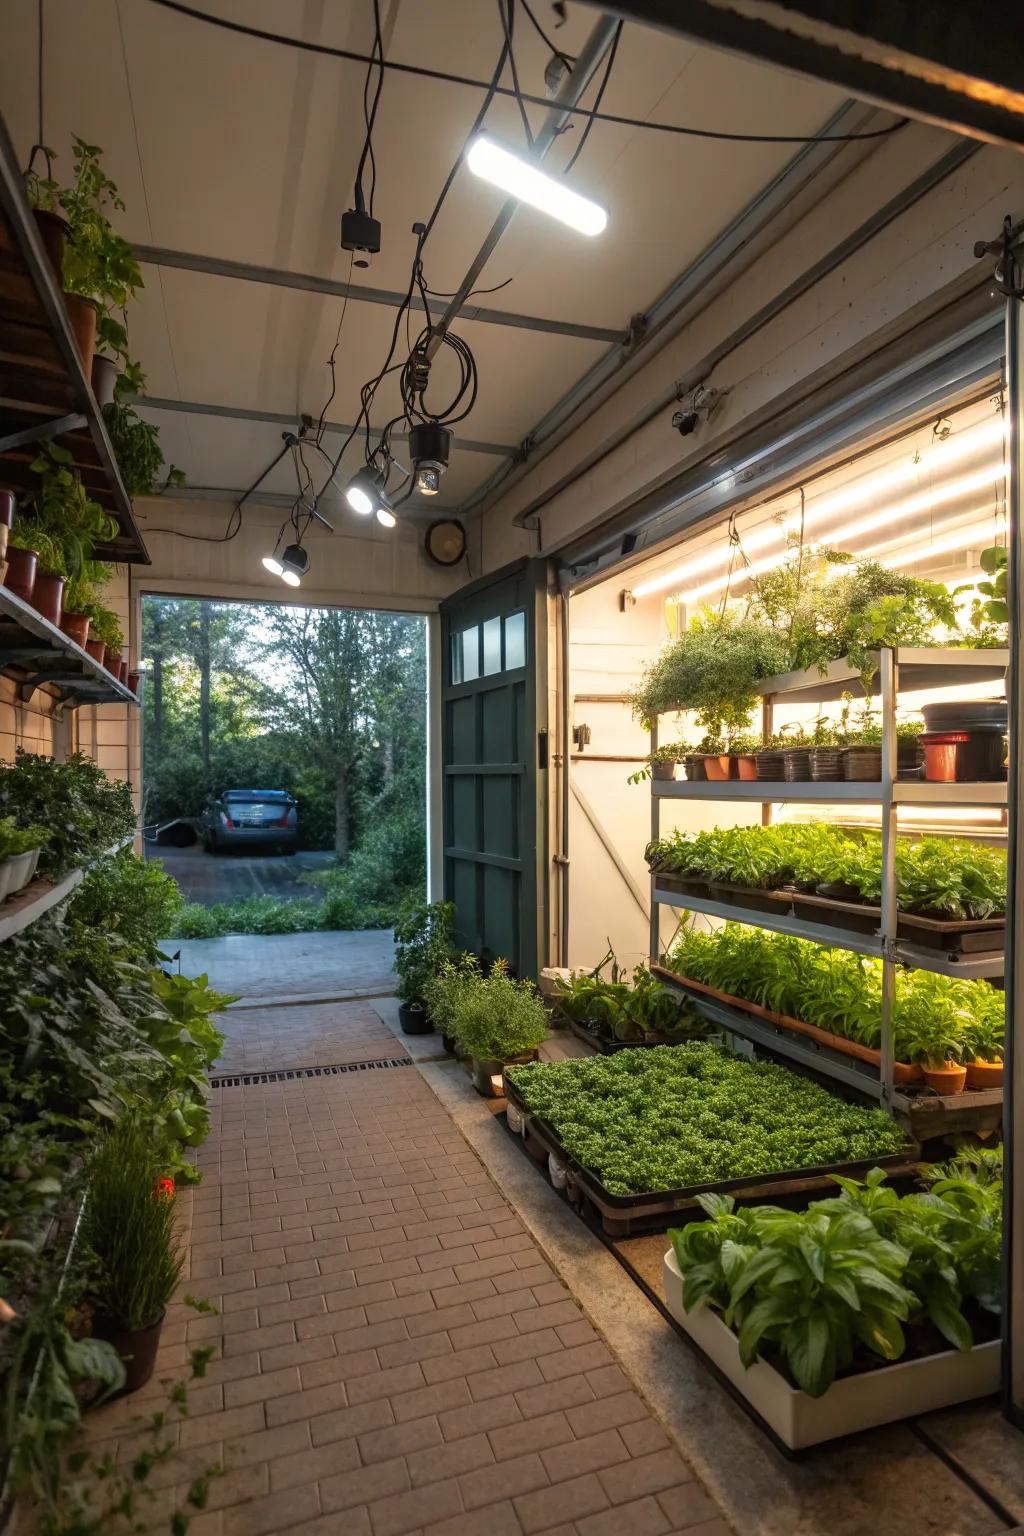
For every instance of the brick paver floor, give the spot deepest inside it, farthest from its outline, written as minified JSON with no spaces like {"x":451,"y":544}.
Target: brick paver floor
{"x":315,"y":1035}
{"x":394,"y":1353}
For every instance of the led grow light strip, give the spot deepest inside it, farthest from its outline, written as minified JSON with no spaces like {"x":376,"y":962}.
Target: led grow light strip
{"x":941,"y":455}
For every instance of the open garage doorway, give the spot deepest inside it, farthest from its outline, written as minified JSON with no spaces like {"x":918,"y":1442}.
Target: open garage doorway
{"x":284,"y":784}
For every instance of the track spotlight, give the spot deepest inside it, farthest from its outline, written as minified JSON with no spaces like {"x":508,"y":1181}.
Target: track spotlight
{"x":429,"y":445}
{"x":273,"y":565}
{"x":385,"y":516}
{"x":365,"y":491}
{"x":296,"y":563}
{"x":520,"y":177}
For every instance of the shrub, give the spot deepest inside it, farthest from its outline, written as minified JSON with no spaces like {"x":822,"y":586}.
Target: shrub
{"x":421,"y":946}
{"x":83,"y":811}
{"x":497,"y":1018}
{"x":131,"y":897}
{"x":713,"y":669}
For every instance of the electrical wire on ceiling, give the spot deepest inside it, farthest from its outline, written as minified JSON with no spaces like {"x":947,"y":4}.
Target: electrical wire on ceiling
{"x":364,"y":204}
{"x":542,"y":101}
{"x":567,"y":59}
{"x":612,"y":51}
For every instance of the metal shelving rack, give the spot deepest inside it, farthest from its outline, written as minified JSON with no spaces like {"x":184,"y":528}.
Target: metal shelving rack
{"x":903,"y":669}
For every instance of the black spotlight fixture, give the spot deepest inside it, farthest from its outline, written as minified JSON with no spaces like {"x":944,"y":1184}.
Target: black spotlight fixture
{"x":429,"y":446}
{"x":295,"y":564}
{"x":360,"y":234}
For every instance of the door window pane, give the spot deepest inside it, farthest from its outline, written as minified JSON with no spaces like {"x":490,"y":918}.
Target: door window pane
{"x":515,"y":641}
{"x":456,"y":658}
{"x":492,"y":646}
{"x":470,"y":654}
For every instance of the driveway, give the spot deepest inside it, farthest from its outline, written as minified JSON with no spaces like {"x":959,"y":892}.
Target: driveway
{"x":207,"y":878}
{"x":291,"y":966}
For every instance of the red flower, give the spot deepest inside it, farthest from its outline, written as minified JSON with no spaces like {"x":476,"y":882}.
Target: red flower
{"x":164,"y":1189}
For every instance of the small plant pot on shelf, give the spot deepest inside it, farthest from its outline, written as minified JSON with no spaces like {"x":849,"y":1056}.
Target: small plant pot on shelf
{"x":744,"y":767}
{"x":414,"y":1019}
{"x":97,"y":650}
{"x":770,"y":766}
{"x":853,"y":1402}
{"x":82,"y":316}
{"x":984,"y":1074}
{"x":716,"y":767}
{"x":103,"y":379}
{"x":137,"y":1348}
{"x":862,"y":764}
{"x":134,"y":678}
{"x":826,"y":764}
{"x":53,"y":231}
{"x":950,"y":1078}
{"x":21,"y":869}
{"x":47,"y":596}
{"x":663,"y":770}
{"x":76,"y":626}
{"x":20,"y":576}
{"x":693,"y":765}
{"x":796,"y":764}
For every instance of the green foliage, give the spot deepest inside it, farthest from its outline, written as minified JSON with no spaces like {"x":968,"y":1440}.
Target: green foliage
{"x":935,"y":1018}
{"x":105,"y":626}
{"x":674,"y":752}
{"x":60,"y":508}
{"x":712,"y":669}
{"x":136,"y":445}
{"x":990,"y":611}
{"x":131,"y":897}
{"x":99,"y":264}
{"x":819,"y":1291}
{"x":129,"y":1229}
{"x":15,"y":839}
{"x":941,"y":877}
{"x":669,"y":1117}
{"x":443,"y":992}
{"x":422,"y":945}
{"x":495,"y":1017}
{"x":617,"y":1009}
{"x":84,"y":811}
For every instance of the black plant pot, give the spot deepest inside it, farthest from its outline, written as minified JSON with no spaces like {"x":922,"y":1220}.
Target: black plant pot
{"x":414,"y":1019}
{"x":448,"y":1041}
{"x":137,"y":1348}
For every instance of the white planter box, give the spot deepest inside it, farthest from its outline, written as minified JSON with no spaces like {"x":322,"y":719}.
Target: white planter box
{"x":852,"y":1403}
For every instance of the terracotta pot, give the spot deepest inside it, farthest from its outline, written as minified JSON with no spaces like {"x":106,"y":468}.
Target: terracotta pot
{"x":53,"y":231}
{"x":97,"y":650}
{"x":133,"y":681}
{"x":122,"y":670}
{"x":75,"y":626}
{"x":7,"y":509}
{"x":103,"y":377}
{"x":746,"y":767}
{"x":113,"y":662}
{"x":82,"y":315}
{"x":137,"y":1349}
{"x":984,"y":1074}
{"x":20,"y":577}
{"x":716,"y":767}
{"x":47,"y":596}
{"x":946,"y":1079}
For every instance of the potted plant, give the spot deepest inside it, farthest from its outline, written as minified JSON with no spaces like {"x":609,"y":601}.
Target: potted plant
{"x":496,"y":1022}
{"x":421,"y":949}
{"x":36,"y":568}
{"x":129,"y":1237}
{"x":98,"y":270}
{"x":79,"y":596}
{"x":714,"y":754}
{"x":931,"y":1031}
{"x":136,"y":445}
{"x":442,"y":991}
{"x":768,"y":759}
{"x":661,"y":764}
{"x":105,"y":638}
{"x":19,"y":855}
{"x":984,"y":1043}
{"x":713,"y":669}
{"x":796,"y":754}
{"x":862,"y":755}
{"x":743,"y":749}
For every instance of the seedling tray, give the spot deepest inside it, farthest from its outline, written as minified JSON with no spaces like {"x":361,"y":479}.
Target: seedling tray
{"x":624,"y":1215}
{"x":608,"y":1047}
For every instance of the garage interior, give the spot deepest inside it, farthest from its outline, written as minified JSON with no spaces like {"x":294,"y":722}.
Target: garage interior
{"x":786,"y":317}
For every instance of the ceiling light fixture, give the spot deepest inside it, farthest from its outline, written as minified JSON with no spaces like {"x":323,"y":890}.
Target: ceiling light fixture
{"x":520,"y":177}
{"x":385,"y":516}
{"x":940,"y":455}
{"x":295,"y":564}
{"x":365,"y":491}
{"x":273,"y":565}
{"x":429,"y":446}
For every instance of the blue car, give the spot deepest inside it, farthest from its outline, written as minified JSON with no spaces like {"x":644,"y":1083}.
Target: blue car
{"x":264,"y":818}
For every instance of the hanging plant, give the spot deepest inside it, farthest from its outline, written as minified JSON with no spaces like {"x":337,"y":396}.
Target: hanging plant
{"x":713,"y":669}
{"x":136,"y":445}
{"x":61,"y":507}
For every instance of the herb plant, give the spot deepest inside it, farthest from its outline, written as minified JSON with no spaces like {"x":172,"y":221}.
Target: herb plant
{"x":495,"y":1017}
{"x":421,"y":947}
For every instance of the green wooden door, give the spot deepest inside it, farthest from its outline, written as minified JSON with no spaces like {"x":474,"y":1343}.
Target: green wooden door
{"x":495,"y":753}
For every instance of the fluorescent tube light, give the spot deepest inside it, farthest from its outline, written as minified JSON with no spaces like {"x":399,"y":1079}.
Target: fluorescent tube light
{"x":520,"y":177}
{"x":941,"y":455}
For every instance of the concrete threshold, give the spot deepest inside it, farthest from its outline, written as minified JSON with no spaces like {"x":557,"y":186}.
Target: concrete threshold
{"x":885,"y":1482}
{"x":305,"y":999}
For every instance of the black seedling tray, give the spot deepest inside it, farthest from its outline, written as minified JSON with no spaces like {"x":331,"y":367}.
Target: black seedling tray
{"x":609,"y":1047}
{"x":623,"y":1215}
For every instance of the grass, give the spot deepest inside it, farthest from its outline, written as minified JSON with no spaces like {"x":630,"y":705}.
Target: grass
{"x":336,"y":912}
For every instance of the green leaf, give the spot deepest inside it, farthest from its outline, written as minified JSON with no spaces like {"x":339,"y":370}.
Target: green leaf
{"x":810,"y":1353}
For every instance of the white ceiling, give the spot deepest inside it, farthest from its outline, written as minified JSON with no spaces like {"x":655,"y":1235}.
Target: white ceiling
{"x":238,"y":149}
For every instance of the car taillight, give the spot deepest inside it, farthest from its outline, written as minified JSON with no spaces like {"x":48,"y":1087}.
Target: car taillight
{"x":283,"y":822}
{"x":226,"y":819}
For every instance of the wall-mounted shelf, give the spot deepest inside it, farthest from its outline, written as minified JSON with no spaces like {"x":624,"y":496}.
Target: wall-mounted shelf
{"x":36,"y":653}
{"x":44,"y":392}
{"x":841,"y":792}
{"x":918,"y":667}
{"x":35,"y":900}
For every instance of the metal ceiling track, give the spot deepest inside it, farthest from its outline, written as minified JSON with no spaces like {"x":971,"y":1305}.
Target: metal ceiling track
{"x":306,"y":282}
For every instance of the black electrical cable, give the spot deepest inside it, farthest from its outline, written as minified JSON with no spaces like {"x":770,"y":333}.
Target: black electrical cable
{"x":585,"y":135}
{"x":370,"y":115}
{"x":435,"y":294}
{"x":334,"y":353}
{"x":506,"y":10}
{"x":541,"y":101}
{"x":567,"y":59}
{"x":234,"y":523}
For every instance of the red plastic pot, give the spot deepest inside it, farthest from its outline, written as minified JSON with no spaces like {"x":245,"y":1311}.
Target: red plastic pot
{"x":21,"y":572}
{"x":53,"y":231}
{"x":48,"y":595}
{"x":82,"y":315}
{"x":133,"y":681}
{"x":97,"y":650}
{"x":75,"y":626}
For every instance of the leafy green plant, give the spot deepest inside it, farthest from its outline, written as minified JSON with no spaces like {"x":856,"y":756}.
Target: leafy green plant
{"x":136,"y":445}
{"x":60,"y":507}
{"x":29,"y":534}
{"x":129,"y":896}
{"x":15,"y":839}
{"x":421,"y":946}
{"x":712,"y":669}
{"x":129,"y":1229}
{"x":673,"y":752}
{"x":668,"y":1117}
{"x":84,"y":811}
{"x":105,"y":626}
{"x":498,"y":1018}
{"x":443,"y":991}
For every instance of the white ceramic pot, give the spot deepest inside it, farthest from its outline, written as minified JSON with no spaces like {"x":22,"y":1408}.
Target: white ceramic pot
{"x":881,"y":1396}
{"x":6,"y":871}
{"x":22,"y":869}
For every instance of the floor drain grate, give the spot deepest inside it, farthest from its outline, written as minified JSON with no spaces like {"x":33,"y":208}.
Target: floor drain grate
{"x":248,"y":1079}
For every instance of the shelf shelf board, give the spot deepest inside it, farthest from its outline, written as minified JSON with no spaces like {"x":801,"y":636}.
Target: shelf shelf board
{"x":37,"y":654}
{"x":44,"y":392}
{"x":919,"y":667}
{"x":839,"y":792}
{"x":920,"y":959}
{"x":35,"y":900}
